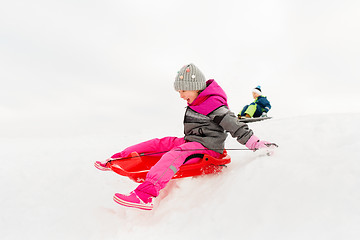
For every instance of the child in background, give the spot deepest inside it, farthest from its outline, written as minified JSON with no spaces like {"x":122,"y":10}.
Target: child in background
{"x":258,"y":108}
{"x":206,"y":123}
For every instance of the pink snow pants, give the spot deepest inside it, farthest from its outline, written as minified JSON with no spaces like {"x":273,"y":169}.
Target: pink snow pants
{"x":162,"y":172}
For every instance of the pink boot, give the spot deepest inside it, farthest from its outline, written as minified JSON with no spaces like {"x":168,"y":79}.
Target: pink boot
{"x":103,"y":166}
{"x":133,"y":200}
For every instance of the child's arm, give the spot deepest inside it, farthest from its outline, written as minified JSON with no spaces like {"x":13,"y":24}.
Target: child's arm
{"x":229,"y":122}
{"x":239,"y":130}
{"x":265,"y":104}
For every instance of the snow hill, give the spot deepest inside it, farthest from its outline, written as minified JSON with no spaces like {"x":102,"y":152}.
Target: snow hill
{"x":309,"y":189}
{"x":81,"y":80}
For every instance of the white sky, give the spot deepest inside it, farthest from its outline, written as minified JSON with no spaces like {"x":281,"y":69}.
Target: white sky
{"x":64,"y":63}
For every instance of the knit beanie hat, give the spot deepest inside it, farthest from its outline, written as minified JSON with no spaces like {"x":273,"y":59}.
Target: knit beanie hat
{"x":190,"y":78}
{"x":257,"y":90}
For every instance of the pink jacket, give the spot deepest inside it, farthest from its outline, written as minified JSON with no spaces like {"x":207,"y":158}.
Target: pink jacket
{"x":208,"y":119}
{"x":211,"y":98}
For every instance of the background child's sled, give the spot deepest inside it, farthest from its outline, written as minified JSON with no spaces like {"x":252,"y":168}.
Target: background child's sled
{"x":257,"y":119}
{"x":136,"y":167}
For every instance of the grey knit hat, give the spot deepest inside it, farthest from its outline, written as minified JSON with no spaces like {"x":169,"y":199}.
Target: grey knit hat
{"x":190,"y":78}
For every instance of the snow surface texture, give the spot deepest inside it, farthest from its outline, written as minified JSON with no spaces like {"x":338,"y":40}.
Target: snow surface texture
{"x":81,"y":80}
{"x":308,"y":190}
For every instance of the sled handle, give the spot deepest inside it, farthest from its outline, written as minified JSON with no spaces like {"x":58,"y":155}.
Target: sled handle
{"x":195,"y":155}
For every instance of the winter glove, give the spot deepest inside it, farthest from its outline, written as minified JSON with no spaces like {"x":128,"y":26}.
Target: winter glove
{"x":264,"y":114}
{"x":254,"y":143}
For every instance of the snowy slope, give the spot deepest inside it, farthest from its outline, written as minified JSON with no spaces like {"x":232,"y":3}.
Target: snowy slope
{"x":81,"y":80}
{"x":308,"y":190}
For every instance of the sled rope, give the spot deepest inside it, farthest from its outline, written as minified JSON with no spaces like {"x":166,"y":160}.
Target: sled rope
{"x":198,"y":149}
{"x":180,"y":150}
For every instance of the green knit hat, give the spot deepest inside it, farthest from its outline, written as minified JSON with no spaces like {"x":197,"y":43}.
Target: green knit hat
{"x":190,"y":78}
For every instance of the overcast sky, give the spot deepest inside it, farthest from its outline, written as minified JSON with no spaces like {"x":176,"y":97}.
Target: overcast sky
{"x":88,"y":60}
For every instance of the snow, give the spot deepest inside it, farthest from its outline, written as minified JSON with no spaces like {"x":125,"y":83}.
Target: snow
{"x":82,"y":80}
{"x":309,"y":189}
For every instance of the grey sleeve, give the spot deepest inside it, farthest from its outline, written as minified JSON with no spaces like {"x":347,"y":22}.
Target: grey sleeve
{"x":229,"y":122}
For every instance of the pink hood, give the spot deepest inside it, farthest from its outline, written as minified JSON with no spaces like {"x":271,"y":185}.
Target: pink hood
{"x":211,"y":98}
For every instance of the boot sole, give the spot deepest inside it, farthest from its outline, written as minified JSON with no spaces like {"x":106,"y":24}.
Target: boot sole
{"x":98,"y":166}
{"x":133,"y":205}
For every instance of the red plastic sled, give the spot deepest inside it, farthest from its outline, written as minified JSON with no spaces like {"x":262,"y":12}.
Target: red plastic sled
{"x":136,"y":167}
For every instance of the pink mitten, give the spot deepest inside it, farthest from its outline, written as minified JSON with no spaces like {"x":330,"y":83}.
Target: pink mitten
{"x":254,"y":143}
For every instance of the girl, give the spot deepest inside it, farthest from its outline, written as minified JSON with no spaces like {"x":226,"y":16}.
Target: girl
{"x":206,"y":123}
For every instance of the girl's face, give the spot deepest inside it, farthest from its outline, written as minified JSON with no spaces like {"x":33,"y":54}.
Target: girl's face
{"x":188,"y":95}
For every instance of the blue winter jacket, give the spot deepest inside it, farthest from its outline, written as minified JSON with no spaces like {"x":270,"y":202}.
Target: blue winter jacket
{"x":263,"y":103}
{"x":256,"y":108}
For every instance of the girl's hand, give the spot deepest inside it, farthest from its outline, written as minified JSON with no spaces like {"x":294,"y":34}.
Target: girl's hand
{"x":254,"y":143}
